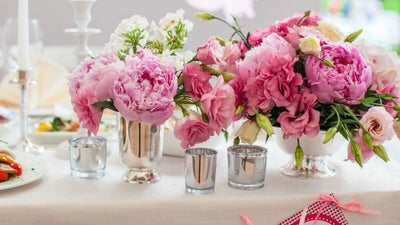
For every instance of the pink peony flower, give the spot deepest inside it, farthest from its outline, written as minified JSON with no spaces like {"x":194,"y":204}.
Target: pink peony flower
{"x":219,"y":105}
{"x":145,"y":89}
{"x":76,"y":80}
{"x":195,"y":80}
{"x":211,"y":52}
{"x":98,"y":74}
{"x":350,"y":78}
{"x":192,"y":130}
{"x":385,"y":65}
{"x":301,"y":117}
{"x":105,"y":70}
{"x":379,"y":123}
{"x":89,"y":116}
{"x":366,"y":152}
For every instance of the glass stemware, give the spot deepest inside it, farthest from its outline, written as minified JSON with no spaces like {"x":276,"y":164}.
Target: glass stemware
{"x":35,"y":43}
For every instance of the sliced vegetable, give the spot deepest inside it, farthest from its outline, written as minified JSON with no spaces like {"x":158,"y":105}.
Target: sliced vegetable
{"x":3,"y":175}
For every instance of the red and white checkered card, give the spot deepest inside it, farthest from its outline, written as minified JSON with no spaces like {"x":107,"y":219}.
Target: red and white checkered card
{"x":330,"y":215}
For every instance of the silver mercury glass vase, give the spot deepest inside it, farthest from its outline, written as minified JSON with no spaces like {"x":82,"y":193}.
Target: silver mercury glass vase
{"x":141,"y":148}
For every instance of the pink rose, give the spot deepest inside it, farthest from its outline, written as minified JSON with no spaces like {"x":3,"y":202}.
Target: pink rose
{"x":301,"y":117}
{"x":390,"y":89}
{"x":89,"y":116}
{"x":296,"y":33}
{"x":258,"y":57}
{"x":256,"y":38}
{"x":366,"y":152}
{"x":192,"y":130}
{"x":195,"y":80}
{"x":379,"y":123}
{"x":211,"y":52}
{"x":237,"y":85}
{"x":350,"y":78}
{"x":282,"y":27}
{"x":219,"y":105}
{"x":242,"y":47}
{"x":268,"y":70}
{"x":145,"y":89}
{"x":230,"y":56}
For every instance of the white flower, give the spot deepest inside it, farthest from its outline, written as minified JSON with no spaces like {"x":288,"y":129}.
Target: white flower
{"x":132,"y":23}
{"x":171,"y":20}
{"x":156,"y":33}
{"x":330,"y":31}
{"x":310,"y":45}
{"x":384,"y":64}
{"x":178,"y":60}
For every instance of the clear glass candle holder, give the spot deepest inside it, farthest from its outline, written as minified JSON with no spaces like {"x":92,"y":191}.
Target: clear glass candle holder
{"x":246,"y":166}
{"x":200,"y":168}
{"x":88,"y":157}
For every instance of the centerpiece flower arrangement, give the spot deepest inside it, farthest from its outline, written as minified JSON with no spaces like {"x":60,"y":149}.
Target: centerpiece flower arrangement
{"x":135,"y":74}
{"x":300,"y":74}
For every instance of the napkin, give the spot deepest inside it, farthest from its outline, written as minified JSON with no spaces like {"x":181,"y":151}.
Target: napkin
{"x":51,"y":87}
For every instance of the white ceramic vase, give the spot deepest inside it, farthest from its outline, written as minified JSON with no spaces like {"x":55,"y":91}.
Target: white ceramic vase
{"x":316,"y":154}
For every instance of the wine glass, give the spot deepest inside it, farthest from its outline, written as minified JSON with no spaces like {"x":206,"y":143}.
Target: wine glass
{"x":2,"y":55}
{"x":11,"y":45}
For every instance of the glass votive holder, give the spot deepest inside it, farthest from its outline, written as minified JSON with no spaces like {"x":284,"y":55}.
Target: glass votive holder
{"x":246,"y":166}
{"x":87,"y":156}
{"x":200,"y":168}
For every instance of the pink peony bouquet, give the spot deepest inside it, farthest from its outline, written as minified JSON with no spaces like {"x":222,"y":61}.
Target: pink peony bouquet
{"x":135,"y":74}
{"x":300,"y":74}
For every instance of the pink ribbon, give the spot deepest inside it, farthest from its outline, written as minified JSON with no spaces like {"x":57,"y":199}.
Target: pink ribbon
{"x":350,"y":206}
{"x":246,"y":220}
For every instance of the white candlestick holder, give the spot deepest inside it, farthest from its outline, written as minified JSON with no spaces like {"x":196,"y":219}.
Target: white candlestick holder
{"x":82,"y":17}
{"x":25,"y":144}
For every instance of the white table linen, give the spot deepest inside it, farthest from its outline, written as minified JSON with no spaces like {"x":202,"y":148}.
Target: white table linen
{"x":60,"y":199}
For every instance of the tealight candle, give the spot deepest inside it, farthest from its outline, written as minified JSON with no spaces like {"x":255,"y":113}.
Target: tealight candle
{"x":23,"y":35}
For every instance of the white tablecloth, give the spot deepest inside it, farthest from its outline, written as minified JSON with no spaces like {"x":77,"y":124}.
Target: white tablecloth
{"x":57,"y":198}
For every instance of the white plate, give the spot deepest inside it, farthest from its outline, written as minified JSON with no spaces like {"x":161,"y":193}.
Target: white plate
{"x":56,"y":137}
{"x":33,"y":169}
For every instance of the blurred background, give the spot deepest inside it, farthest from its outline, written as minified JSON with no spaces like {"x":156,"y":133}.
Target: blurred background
{"x":380,"y":19}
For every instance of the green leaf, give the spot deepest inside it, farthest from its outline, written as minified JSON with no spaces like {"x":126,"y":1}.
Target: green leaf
{"x":353,"y":36}
{"x":236,"y":141}
{"x":107,"y":104}
{"x":264,"y":123}
{"x":239,"y":110}
{"x":205,"y":117}
{"x":368,"y":139}
{"x":328,"y":62}
{"x":226,"y":134}
{"x":380,"y":151}
{"x":329,"y":134}
{"x":368,"y":100}
{"x":356,"y":151}
{"x":299,"y":156}
{"x":204,"y":15}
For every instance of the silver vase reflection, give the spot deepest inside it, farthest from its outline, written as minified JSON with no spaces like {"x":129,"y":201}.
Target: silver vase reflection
{"x":141,"y":148}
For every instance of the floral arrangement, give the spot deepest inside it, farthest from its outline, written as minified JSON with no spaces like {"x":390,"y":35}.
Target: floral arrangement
{"x":135,"y":74}
{"x":300,"y":74}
